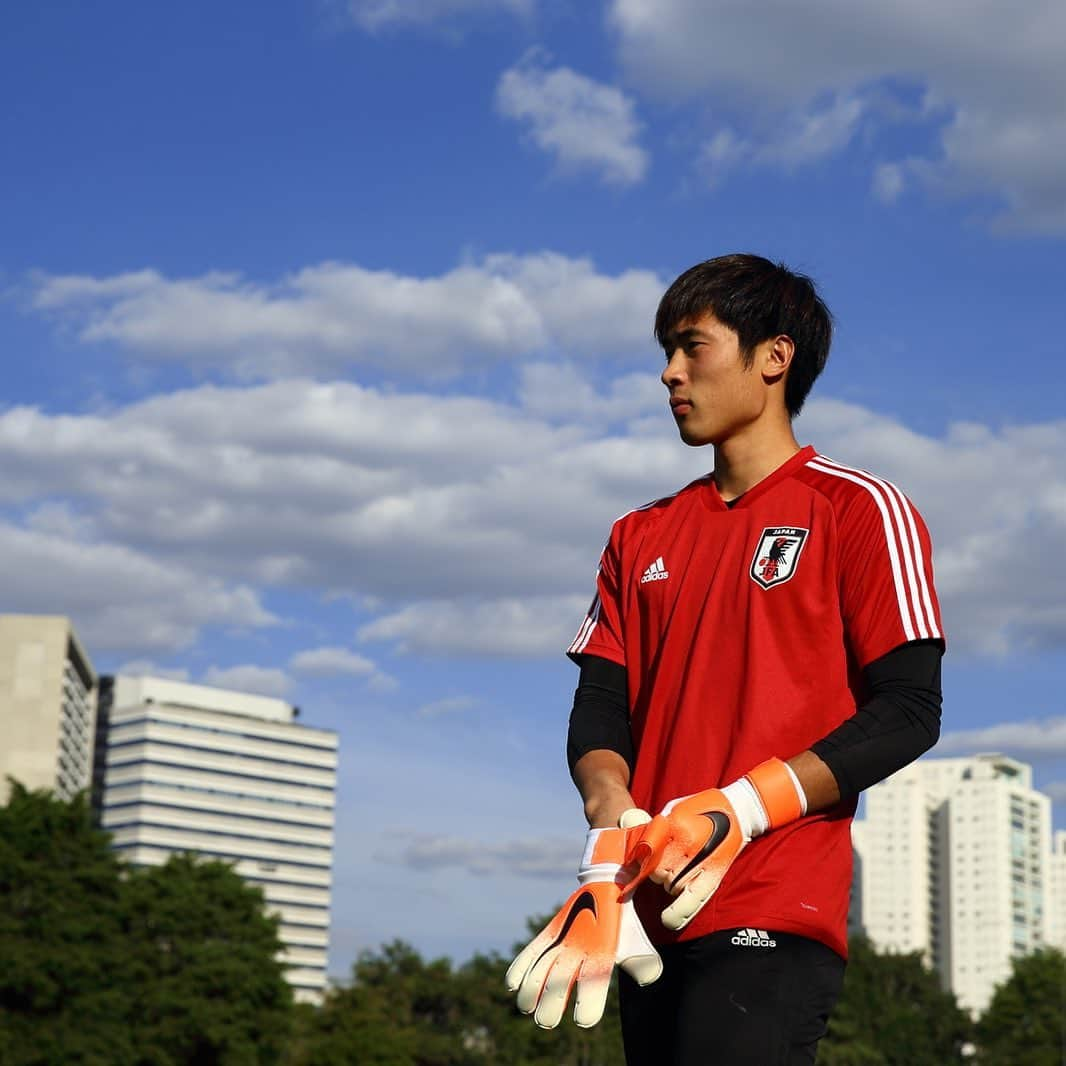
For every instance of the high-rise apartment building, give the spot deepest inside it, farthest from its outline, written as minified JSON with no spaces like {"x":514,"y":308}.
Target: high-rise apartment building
{"x":47,"y":705}
{"x":955,"y":857}
{"x":231,"y":776}
{"x":1056,"y":925}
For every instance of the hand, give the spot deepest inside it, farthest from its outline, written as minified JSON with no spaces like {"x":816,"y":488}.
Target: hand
{"x":691,"y":844}
{"x":594,"y":930}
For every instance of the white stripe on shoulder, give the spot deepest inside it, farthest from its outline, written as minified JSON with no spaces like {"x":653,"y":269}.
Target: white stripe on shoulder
{"x":912,"y":549}
{"x":919,"y":558}
{"x":922,"y":602}
{"x":856,"y":478}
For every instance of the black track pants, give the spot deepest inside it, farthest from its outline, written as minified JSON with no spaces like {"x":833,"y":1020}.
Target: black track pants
{"x":726,"y":1003}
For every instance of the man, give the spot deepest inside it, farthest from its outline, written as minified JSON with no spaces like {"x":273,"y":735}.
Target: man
{"x":763,"y":645}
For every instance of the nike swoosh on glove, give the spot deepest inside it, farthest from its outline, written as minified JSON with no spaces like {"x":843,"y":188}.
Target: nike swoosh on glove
{"x":594,"y":931}
{"x":689,"y":846}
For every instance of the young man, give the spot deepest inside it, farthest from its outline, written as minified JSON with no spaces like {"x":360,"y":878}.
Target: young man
{"x":763,"y":645}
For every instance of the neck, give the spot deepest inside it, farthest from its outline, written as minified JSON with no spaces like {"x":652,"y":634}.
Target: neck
{"x":745,"y":459}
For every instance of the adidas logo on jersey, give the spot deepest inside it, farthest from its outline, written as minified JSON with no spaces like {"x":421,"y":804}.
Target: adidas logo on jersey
{"x":656,"y":572}
{"x":753,"y":938}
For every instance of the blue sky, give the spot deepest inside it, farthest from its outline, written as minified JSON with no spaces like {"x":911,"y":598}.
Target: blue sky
{"x":327,"y":339}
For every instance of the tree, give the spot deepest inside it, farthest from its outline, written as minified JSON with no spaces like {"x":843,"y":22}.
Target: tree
{"x":497,"y":1032}
{"x":400,"y":1010}
{"x":208,"y":988}
{"x":65,"y":973}
{"x":892,"y":1012}
{"x":104,"y":965}
{"x":387,"y":1016}
{"x":1025,"y":1020}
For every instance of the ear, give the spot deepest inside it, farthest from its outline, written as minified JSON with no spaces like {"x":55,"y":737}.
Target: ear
{"x":777,"y":357}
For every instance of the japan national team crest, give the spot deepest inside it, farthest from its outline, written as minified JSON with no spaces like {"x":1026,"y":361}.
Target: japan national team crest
{"x":777,"y":555}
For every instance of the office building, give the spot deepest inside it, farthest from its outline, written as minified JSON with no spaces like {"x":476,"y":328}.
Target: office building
{"x":231,"y":776}
{"x":47,"y":705}
{"x":955,"y":862}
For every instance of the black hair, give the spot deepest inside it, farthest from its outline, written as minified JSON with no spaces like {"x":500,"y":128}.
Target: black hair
{"x":759,"y":300}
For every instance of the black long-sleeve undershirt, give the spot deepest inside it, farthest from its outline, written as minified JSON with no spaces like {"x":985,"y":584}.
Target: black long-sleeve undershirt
{"x":898,"y":720}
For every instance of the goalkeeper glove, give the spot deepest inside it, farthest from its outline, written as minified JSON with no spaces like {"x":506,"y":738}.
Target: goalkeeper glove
{"x":692,"y":842}
{"x":594,"y":930}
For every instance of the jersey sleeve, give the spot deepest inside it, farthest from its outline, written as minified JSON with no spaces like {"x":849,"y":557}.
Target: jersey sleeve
{"x":886,"y":572}
{"x":601,"y":631}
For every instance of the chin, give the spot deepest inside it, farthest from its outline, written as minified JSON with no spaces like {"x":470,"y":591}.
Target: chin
{"x":694,"y":439}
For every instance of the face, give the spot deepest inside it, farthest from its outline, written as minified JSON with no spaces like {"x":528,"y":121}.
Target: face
{"x":713,"y":395}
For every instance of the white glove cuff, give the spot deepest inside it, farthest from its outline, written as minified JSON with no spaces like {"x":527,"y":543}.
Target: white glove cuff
{"x":751,"y":814}
{"x":590,"y":872}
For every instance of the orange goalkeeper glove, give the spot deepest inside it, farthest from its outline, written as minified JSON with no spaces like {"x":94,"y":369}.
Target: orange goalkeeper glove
{"x":692,"y":842}
{"x":594,"y":930}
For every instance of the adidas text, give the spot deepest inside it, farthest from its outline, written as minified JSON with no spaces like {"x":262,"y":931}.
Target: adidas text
{"x":753,"y":938}
{"x":656,"y":572}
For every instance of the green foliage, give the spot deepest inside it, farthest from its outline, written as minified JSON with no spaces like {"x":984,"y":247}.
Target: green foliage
{"x":109,"y":966}
{"x":1026,"y":1020}
{"x":65,"y":971}
{"x":207,"y":987}
{"x":399,"y":1010}
{"x":176,"y":966}
{"x":892,"y":1012}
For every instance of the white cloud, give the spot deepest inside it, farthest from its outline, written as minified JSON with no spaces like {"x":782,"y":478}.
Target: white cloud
{"x":816,"y":133}
{"x":448,"y":705}
{"x":522,"y":814}
{"x":246,"y":677}
{"x":1021,"y":154}
{"x":725,"y":151}
{"x":339,"y":314}
{"x":526,"y":857}
{"x":340,"y":662}
{"x":525,"y":627}
{"x":122,"y":598}
{"x":994,"y":70}
{"x":990,"y":497}
{"x":584,"y":124}
{"x":888,"y":182}
{"x":1036,"y":738}
{"x":798,"y":139}
{"x":375,"y":15}
{"x":559,"y":392}
{"x":148,"y":668}
{"x":467,"y":526}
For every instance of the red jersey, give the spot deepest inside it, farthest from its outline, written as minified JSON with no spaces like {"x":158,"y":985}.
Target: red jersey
{"x":743,"y":631}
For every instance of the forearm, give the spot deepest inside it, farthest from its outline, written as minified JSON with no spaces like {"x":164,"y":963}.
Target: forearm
{"x":602,"y":779}
{"x":599,"y":743}
{"x":816,"y":779}
{"x":898,"y":721}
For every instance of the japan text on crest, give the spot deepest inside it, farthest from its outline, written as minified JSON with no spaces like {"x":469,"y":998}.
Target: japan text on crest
{"x":777,"y":555}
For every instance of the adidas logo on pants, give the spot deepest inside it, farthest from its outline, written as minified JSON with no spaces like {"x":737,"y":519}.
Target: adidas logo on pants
{"x":753,"y":938}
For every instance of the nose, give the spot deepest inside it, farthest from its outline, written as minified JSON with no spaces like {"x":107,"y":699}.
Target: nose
{"x":674,"y":372}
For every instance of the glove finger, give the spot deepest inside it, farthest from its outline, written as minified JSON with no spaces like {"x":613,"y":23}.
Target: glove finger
{"x":644,"y":852}
{"x":556,"y":990}
{"x":644,"y":969}
{"x":592,"y":988}
{"x":518,"y":969}
{"x":636,"y":953}
{"x":529,"y":991}
{"x":633,"y":817}
{"x":689,"y":901}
